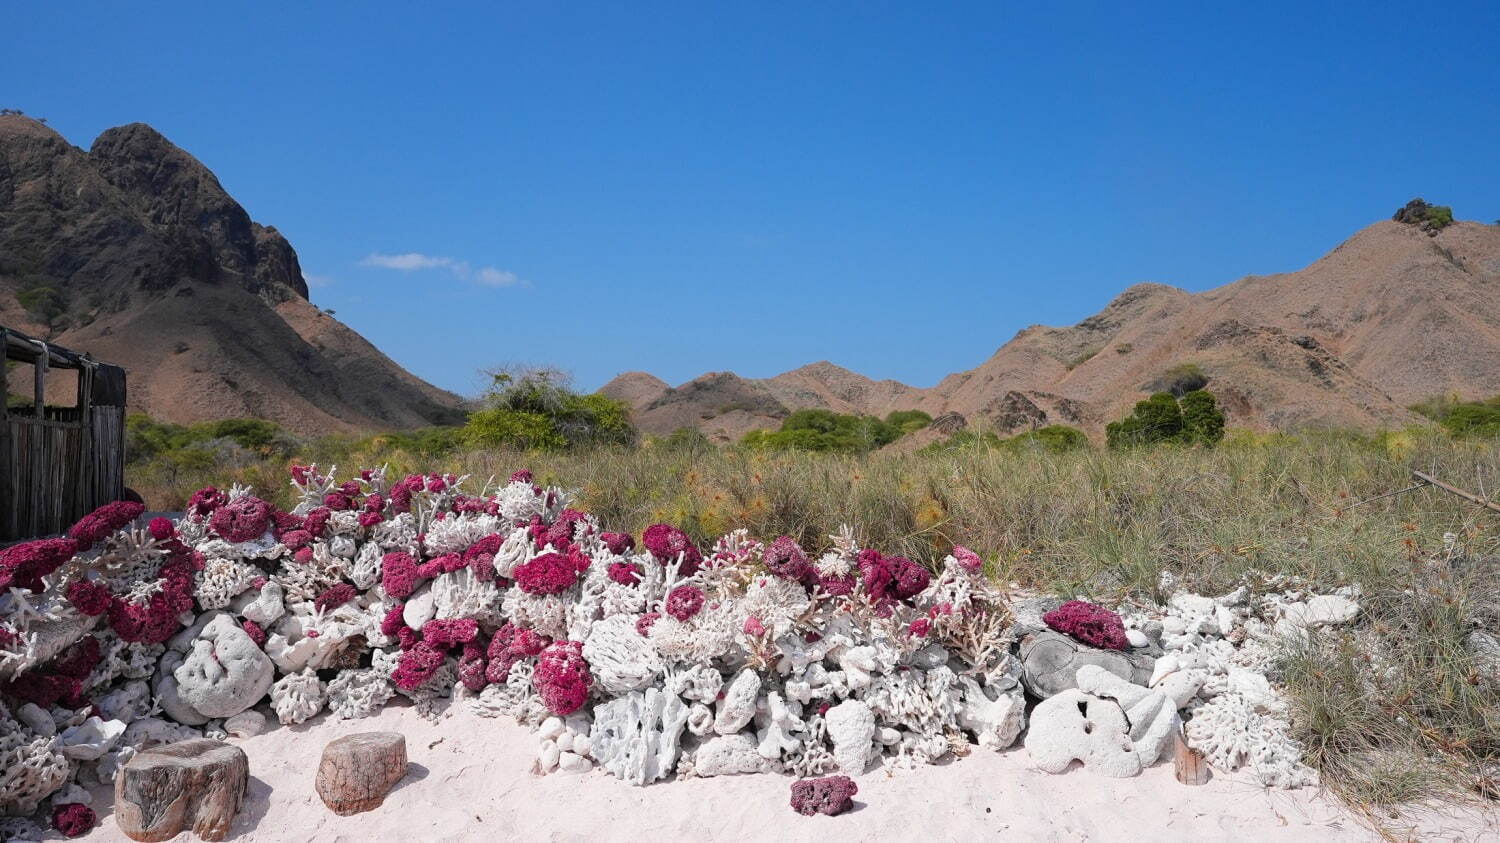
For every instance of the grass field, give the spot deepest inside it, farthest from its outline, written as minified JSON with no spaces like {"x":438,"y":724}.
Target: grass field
{"x":1392,"y":709}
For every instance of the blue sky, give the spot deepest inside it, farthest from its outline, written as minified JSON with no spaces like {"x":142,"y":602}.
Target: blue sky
{"x":680,"y":188}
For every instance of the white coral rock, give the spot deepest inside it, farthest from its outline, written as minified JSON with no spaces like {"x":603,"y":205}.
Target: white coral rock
{"x":1077,"y":726}
{"x":738,"y":705}
{"x":851,"y":726}
{"x":635,"y":737}
{"x":91,"y":738}
{"x":995,"y":717}
{"x":226,"y":672}
{"x":619,"y":657}
{"x":728,"y":755}
{"x":1152,"y":714}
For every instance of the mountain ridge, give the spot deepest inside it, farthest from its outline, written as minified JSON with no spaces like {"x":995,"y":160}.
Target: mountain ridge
{"x":133,"y":252}
{"x":1393,"y":314}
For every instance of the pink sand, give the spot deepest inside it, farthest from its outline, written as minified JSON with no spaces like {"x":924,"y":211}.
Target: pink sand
{"x":470,"y":779}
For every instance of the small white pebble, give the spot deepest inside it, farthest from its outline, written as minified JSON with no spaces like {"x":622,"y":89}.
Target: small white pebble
{"x":570,"y":762}
{"x":548,"y":756}
{"x":1136,"y":638}
{"x":550,"y":728}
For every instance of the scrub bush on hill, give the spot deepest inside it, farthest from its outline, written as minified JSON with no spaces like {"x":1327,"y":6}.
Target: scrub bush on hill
{"x":536,"y":409}
{"x":824,"y":430}
{"x":1162,"y":418}
{"x":1463,"y":418}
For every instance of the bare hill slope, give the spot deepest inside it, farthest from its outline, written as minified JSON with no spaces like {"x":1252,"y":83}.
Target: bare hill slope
{"x":133,"y":252}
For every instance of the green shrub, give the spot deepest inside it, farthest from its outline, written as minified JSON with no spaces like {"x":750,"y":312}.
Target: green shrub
{"x":908,"y":421}
{"x":825,"y":430}
{"x":1086,"y":356}
{"x":1057,"y":438}
{"x":964,"y":439}
{"x":534,"y":408}
{"x":1476,"y":419}
{"x":1196,"y":419}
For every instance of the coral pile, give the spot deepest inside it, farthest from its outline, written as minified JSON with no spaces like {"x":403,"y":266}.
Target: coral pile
{"x":647,"y":659}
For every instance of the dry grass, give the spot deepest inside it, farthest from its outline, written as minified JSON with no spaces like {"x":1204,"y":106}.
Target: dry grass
{"x":1392,"y":709}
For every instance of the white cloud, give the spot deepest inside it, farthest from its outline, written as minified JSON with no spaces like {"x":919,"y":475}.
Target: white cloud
{"x":406,"y":262}
{"x":489,"y":276}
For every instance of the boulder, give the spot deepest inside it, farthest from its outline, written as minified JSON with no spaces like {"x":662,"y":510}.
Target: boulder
{"x":1050,"y":662}
{"x":225,"y":672}
{"x":357,"y":771}
{"x":192,"y":785}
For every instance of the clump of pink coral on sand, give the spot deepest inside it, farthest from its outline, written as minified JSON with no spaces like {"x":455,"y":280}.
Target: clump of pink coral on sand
{"x":241,"y":520}
{"x":73,"y":819}
{"x":562,"y":677}
{"x":832,"y":795}
{"x":1090,"y":623}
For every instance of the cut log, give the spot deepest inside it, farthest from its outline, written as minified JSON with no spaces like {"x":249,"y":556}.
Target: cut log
{"x":196,"y":784}
{"x":1192,"y":769}
{"x":357,"y":771}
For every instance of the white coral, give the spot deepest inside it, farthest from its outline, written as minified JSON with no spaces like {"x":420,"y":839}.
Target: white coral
{"x":620,"y":658}
{"x":636,"y":737}
{"x":298,"y":697}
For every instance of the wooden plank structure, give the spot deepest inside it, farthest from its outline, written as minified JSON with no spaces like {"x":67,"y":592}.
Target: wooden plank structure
{"x":59,"y":463}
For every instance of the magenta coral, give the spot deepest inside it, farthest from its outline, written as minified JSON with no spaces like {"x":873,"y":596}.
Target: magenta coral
{"x":618,"y":543}
{"x":685,"y":601}
{"x":838,"y":586}
{"x":334,"y":596}
{"x":522,"y":476}
{"x":919,"y":628}
{"x":831,"y":796}
{"x":549,"y":573}
{"x":159,"y":618}
{"x":241,"y":520}
{"x":967,"y":559}
{"x":562,"y":677}
{"x":480,"y":557}
{"x":665,"y":543}
{"x":416,"y":666}
{"x":73,"y":819}
{"x":754,"y":627}
{"x":644,"y":623}
{"x":472,"y":667}
{"x":161,"y":528}
{"x":1089,"y":623}
{"x":256,"y":633}
{"x":205,"y":501}
{"x":317,"y":521}
{"x":24,"y":565}
{"x":624,"y":573}
{"x":398,"y":574}
{"x":446,"y":632}
{"x":910,"y":578}
{"x":89,"y":597}
{"x":509,"y":645}
{"x":785,"y":559}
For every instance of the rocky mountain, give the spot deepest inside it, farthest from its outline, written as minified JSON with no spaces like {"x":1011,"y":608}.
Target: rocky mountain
{"x":1399,"y":312}
{"x":133,"y":252}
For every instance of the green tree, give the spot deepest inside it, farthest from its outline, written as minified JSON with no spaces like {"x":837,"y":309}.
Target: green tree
{"x":908,"y":421}
{"x":1057,"y":438}
{"x":535,"y":408}
{"x":1156,"y":419}
{"x":1202,"y":420}
{"x":825,"y":430}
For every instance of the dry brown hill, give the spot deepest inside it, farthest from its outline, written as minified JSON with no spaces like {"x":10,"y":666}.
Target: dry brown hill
{"x":1393,"y":315}
{"x":133,"y":252}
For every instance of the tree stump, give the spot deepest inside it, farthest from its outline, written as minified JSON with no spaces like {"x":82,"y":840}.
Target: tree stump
{"x":1191,"y":767}
{"x":357,"y":771}
{"x":196,"y":784}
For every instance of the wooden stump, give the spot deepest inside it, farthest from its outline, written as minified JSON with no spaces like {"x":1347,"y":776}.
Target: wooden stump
{"x":1191,"y":767}
{"x":357,"y":771}
{"x":194,"y":784}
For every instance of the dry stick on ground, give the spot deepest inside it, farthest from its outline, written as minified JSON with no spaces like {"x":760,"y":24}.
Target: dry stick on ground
{"x":1454,"y":490}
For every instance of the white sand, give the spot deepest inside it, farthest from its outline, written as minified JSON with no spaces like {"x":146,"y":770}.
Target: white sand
{"x":470,"y":779}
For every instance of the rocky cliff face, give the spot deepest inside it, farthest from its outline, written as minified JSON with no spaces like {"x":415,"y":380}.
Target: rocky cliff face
{"x":1396,"y":313}
{"x":133,"y":252}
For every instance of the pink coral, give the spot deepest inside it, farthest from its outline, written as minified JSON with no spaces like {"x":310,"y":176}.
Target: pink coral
{"x":549,"y":573}
{"x":398,"y":574}
{"x":446,"y":632}
{"x":472,"y":667}
{"x":159,"y":617}
{"x":79,"y":659}
{"x":73,"y":819}
{"x":665,"y":543}
{"x":968,"y":559}
{"x":161,"y":528}
{"x":891,"y":577}
{"x":618,"y":543}
{"x":785,"y":559}
{"x":919,"y":628}
{"x":910,"y":578}
{"x":480,"y":557}
{"x":417,"y":665}
{"x":205,"y":501}
{"x":317,"y":521}
{"x":334,"y":596}
{"x":510,"y":645}
{"x":243,"y":519}
{"x":393,"y":622}
{"x":24,"y":565}
{"x":831,"y":796}
{"x":562,"y":677}
{"x":256,"y":633}
{"x":296,"y":539}
{"x":624,"y":573}
{"x":684,"y":602}
{"x":754,"y":627}
{"x":644,"y":623}
{"x":1089,"y":623}
{"x":522,"y":476}
{"x":89,"y":597}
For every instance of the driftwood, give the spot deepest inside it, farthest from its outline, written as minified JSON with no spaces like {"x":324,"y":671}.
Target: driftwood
{"x":1191,"y":767}
{"x":357,"y":771}
{"x":194,"y":784}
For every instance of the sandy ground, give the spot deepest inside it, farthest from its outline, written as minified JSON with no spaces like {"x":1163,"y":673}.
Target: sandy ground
{"x":469,"y":779}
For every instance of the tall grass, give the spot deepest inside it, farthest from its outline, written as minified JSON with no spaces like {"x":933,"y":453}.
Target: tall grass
{"x":1392,"y":709}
